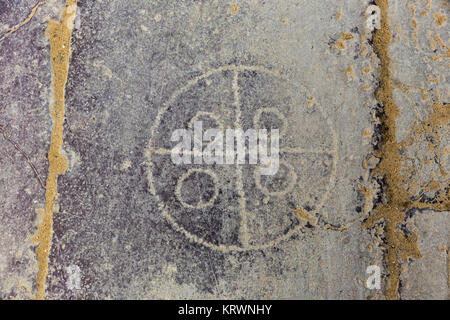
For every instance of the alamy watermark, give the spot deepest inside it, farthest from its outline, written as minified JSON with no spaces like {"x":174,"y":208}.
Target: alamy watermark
{"x":227,"y":146}
{"x":374,"y":279}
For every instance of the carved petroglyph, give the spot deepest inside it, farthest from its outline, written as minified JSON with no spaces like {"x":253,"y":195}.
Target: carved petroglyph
{"x":246,"y":185}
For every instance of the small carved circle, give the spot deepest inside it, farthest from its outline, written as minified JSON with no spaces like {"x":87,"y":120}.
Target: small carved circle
{"x":240,"y":194}
{"x":191,"y":195}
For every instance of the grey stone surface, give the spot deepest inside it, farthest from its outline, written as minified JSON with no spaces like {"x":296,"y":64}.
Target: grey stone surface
{"x":420,"y":74}
{"x":141,"y":69}
{"x":109,"y":223}
{"x":24,"y":118}
{"x":427,"y":278}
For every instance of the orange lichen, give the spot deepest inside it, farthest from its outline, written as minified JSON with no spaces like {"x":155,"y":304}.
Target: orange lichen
{"x":398,"y":245}
{"x":438,"y":57}
{"x":440,"y":19}
{"x":366,"y":70}
{"x":59,"y":34}
{"x":394,"y":211}
{"x":350,"y":73}
{"x":364,"y":50}
{"x":310,"y":101}
{"x":340,"y":43}
{"x":367,"y":133}
{"x":303,"y":215}
{"x":339,"y":14}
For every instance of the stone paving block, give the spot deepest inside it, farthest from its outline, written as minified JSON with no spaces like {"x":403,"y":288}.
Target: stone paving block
{"x":93,"y":207}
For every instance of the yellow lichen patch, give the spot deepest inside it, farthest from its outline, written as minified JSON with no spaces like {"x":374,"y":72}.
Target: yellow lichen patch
{"x":350,"y":73}
{"x":234,"y":8}
{"x":303,"y":215}
{"x":367,"y":133}
{"x":414,"y":34}
{"x":433,"y":80}
{"x":414,"y":25}
{"x":367,"y":193}
{"x":398,"y":245}
{"x":429,"y":130}
{"x":394,"y":211}
{"x":439,"y":118}
{"x":364,"y":50}
{"x":441,"y":43}
{"x":339,"y":14}
{"x":340,"y":43}
{"x":310,"y":101}
{"x":424,"y":94}
{"x":365,"y":70}
{"x":431,"y":40}
{"x":440,"y":19}
{"x":58,"y":34}
{"x":412,"y":9}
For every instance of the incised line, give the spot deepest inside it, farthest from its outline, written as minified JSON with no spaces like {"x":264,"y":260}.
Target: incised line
{"x":303,"y":215}
{"x":58,"y":34}
{"x":239,"y":181}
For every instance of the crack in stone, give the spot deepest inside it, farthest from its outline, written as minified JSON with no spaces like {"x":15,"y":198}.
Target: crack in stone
{"x":24,"y":154}
{"x":399,"y":247}
{"x":28,"y":19}
{"x":59,"y":35}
